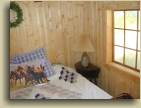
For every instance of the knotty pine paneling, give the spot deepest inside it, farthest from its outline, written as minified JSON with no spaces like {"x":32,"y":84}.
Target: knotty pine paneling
{"x":50,"y":25}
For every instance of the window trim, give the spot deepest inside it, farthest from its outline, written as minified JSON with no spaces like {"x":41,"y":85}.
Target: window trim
{"x":124,"y":47}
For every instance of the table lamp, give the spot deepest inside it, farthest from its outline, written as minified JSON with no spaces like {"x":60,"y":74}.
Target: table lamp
{"x":84,"y":45}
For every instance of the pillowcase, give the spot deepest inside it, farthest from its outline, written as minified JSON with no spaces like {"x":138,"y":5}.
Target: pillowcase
{"x":67,"y":75}
{"x":27,"y":74}
{"x":36,"y":54}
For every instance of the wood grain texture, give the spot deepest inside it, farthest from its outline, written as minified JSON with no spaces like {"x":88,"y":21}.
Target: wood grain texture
{"x":53,"y":25}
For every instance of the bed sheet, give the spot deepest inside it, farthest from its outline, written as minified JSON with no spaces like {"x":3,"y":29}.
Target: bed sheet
{"x":60,"y":89}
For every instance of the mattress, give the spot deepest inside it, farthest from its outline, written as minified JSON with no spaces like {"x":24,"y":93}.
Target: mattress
{"x":60,"y":89}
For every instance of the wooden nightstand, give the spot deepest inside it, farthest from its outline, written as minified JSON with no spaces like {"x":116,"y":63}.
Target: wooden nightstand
{"x":91,"y":72}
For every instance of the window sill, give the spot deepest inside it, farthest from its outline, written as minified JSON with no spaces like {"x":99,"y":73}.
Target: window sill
{"x":124,"y":69}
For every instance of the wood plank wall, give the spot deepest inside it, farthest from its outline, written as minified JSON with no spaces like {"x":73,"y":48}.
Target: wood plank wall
{"x":53,"y":25}
{"x":50,"y":25}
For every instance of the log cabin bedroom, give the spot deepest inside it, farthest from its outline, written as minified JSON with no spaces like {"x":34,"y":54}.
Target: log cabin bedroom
{"x":74,"y":50}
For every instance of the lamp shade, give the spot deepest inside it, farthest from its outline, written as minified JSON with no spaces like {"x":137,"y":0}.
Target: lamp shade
{"x":82,"y":44}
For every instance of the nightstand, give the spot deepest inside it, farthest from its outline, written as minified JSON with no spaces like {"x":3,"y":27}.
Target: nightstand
{"x":91,"y":72}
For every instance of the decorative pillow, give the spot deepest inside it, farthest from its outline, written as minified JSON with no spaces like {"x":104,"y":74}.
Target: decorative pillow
{"x":31,"y":56}
{"x":36,"y":54}
{"x":68,"y":76}
{"x":27,"y":74}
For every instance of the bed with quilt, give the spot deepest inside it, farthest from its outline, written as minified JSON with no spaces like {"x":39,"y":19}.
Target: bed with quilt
{"x":32,"y":76}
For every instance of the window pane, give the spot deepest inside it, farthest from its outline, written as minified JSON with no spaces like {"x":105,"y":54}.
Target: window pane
{"x":119,"y":37}
{"x":130,"y":57}
{"x":130,"y":39}
{"x":139,"y":61}
{"x":118,"y":54}
{"x":119,"y":19}
{"x":131,"y":20}
{"x":139,"y":37}
{"x":139,"y":20}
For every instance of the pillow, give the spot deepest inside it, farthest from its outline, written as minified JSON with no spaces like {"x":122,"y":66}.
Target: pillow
{"x":28,"y":74}
{"x":36,"y":54}
{"x":67,"y":75}
{"x":31,"y":56}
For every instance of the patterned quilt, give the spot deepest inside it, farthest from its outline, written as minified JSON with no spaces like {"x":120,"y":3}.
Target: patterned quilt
{"x":44,"y":91}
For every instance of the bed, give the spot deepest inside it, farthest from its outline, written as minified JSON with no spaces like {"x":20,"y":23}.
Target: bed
{"x":60,"y":89}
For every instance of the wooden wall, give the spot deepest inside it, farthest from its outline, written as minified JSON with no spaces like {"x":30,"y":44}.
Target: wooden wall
{"x":53,"y":25}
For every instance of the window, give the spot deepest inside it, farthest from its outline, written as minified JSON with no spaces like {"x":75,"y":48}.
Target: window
{"x":126,"y":31}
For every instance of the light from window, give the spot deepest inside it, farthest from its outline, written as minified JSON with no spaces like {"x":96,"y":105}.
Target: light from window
{"x":127,"y":38}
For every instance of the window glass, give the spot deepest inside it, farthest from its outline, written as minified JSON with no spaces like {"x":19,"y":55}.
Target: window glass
{"x":139,"y":21}
{"x":119,"y":19}
{"x":139,"y":61}
{"x":118,"y":54}
{"x":119,"y":37}
{"x":131,"y":20}
{"x":130,"y":57}
{"x":139,"y":38}
{"x":127,"y":38}
{"x":130,"y":39}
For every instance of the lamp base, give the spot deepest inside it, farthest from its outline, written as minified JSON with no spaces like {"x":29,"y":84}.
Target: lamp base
{"x":85,"y":60}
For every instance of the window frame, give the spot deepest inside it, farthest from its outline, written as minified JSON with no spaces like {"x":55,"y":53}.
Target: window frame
{"x":124,"y":47}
